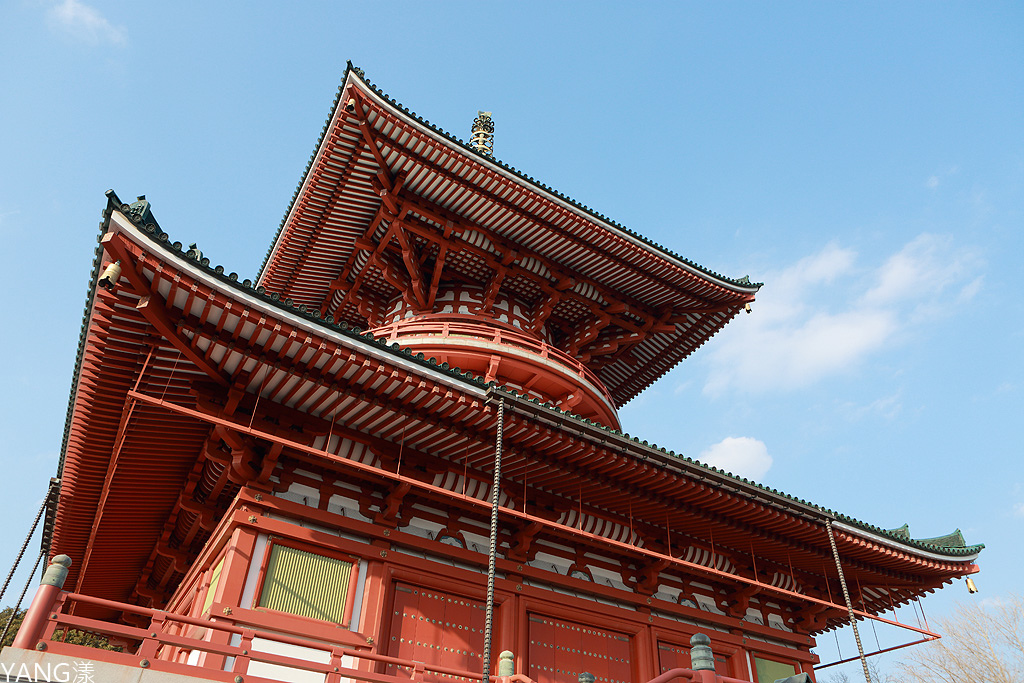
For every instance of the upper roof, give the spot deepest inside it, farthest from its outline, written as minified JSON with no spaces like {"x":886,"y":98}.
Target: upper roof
{"x":376,"y":164}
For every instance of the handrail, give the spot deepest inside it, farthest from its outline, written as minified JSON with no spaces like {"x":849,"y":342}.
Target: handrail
{"x":491,"y":333}
{"x":694,"y":677}
{"x":157,"y":646}
{"x":160,"y":649}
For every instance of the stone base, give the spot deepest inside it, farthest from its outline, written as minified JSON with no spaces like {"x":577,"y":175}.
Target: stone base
{"x":30,"y":666}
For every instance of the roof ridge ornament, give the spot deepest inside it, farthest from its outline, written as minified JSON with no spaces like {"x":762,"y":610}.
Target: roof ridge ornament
{"x":482,"y":135}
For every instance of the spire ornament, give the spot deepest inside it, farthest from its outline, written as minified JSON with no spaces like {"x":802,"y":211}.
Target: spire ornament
{"x":482,"y":136}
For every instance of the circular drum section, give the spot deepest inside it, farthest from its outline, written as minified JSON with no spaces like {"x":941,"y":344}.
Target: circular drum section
{"x":494,"y":341}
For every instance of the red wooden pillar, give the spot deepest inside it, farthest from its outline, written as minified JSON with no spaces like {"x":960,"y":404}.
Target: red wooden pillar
{"x":237,"y":558}
{"x":741,"y":660}
{"x":645,"y":644}
{"x":371,"y":621}
{"x":38,"y":613}
{"x":522,"y":639}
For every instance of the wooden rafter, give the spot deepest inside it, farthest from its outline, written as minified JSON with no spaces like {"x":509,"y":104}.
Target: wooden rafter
{"x":362,"y":243}
{"x":546,"y":306}
{"x":498,"y":264}
{"x":371,"y":143}
{"x":375,"y":251}
{"x":399,"y":279}
{"x":154,"y":308}
{"x":413,"y":265}
{"x":395,"y":201}
{"x":615,"y":348}
{"x":439,"y":262}
{"x":503,"y":245}
{"x":494,"y":286}
{"x":588,"y":332}
{"x":328,"y":209}
{"x":492,"y":196}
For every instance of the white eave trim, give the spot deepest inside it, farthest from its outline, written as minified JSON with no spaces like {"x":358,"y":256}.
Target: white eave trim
{"x":124,"y":224}
{"x":892,"y":543}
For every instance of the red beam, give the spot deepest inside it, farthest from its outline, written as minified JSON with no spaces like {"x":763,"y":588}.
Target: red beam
{"x":154,"y":308}
{"x":927,"y":639}
{"x":620,"y":546}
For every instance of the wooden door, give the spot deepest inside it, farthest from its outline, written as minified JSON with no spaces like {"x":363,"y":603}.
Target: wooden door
{"x":560,"y":650}
{"x":436,"y":627}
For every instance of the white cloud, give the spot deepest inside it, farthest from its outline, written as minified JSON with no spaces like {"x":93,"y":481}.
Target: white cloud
{"x":823,"y":315}
{"x":793,"y":356}
{"x":970,"y":290}
{"x":791,"y":285}
{"x":682,"y":387}
{"x":887,"y":407}
{"x":741,"y":455}
{"x":993,"y":603}
{"x":929,"y":262}
{"x":86,"y":23}
{"x":941,"y":176}
{"x":1018,"y":510}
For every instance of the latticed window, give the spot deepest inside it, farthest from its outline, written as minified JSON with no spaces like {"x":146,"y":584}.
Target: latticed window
{"x":307,"y":584}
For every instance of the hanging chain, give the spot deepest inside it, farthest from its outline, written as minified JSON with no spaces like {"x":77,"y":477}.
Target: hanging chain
{"x":846,"y":596}
{"x":24,"y":545}
{"x":492,"y":551}
{"x":14,"y":610}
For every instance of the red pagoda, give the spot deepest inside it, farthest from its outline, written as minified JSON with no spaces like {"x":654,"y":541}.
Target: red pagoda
{"x":396,"y":453}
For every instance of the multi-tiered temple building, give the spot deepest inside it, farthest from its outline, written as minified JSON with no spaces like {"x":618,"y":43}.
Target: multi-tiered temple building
{"x":290,"y":478}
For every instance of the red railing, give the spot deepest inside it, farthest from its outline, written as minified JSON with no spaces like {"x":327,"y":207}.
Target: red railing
{"x":491,"y":333}
{"x":168,"y":638}
{"x":226,"y":643}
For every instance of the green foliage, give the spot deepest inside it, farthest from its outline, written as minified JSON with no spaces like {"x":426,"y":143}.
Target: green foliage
{"x":5,"y":614}
{"x":73,"y":636}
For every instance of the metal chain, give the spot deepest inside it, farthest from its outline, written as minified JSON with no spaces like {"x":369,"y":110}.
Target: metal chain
{"x":492,"y":552}
{"x":846,"y":596}
{"x":14,"y":610}
{"x":24,"y":545}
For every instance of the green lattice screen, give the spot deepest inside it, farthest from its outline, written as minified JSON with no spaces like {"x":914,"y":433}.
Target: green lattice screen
{"x":769,"y":671}
{"x":306,"y":584}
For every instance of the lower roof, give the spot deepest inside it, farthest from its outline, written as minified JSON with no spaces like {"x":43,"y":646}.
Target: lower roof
{"x":126,"y":463}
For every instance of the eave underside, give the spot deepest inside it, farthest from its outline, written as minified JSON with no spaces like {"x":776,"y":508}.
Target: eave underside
{"x":190,"y":387}
{"x":386,"y":206}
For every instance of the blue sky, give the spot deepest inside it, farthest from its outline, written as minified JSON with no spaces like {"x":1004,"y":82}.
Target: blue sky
{"x":865,"y":161}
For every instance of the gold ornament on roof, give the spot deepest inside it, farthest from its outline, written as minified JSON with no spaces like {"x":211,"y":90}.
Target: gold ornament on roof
{"x":482,"y":137}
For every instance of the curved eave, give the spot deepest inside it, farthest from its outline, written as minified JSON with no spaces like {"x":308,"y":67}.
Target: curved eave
{"x":354,"y":76}
{"x":336,"y":202}
{"x":510,"y":173}
{"x":715,"y":490}
{"x":158,"y":448}
{"x":297,"y":314}
{"x":879,"y":541}
{"x":967,"y":554}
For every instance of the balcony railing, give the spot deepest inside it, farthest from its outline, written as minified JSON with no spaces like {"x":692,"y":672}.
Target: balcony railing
{"x":453,"y":328}
{"x":226,"y":644}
